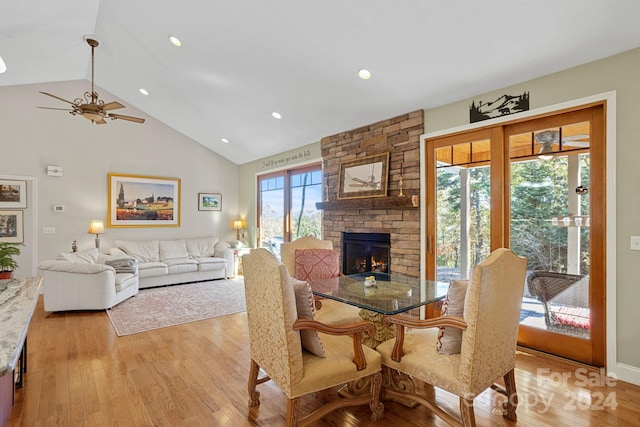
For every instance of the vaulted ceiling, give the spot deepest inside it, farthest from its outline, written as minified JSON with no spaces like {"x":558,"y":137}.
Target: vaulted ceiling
{"x":242,"y":60}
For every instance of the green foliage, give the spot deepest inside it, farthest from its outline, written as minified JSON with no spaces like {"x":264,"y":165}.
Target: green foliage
{"x":539,"y":192}
{"x":7,"y":252}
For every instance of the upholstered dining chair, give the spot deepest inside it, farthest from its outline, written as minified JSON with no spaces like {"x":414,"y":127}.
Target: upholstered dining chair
{"x":487,"y":352}
{"x":285,"y":344}
{"x":311,"y":259}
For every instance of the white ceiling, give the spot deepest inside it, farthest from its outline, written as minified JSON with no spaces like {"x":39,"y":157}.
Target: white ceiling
{"x":243,"y":59}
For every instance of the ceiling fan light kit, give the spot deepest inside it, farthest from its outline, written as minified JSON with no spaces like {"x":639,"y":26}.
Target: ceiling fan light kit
{"x":91,"y":107}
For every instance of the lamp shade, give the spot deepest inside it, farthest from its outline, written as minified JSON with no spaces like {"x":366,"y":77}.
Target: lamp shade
{"x":238,"y":224}
{"x":96,"y":227}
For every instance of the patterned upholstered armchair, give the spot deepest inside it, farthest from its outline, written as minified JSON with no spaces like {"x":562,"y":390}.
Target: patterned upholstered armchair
{"x":309,"y":259}
{"x":280,"y":313}
{"x":487,"y":349}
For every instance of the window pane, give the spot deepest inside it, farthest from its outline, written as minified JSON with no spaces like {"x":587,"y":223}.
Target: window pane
{"x":306,"y":190}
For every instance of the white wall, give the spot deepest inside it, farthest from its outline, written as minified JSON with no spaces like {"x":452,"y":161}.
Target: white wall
{"x":31,"y":139}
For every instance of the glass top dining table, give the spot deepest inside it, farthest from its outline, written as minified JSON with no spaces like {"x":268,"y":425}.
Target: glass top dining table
{"x":389,"y":294}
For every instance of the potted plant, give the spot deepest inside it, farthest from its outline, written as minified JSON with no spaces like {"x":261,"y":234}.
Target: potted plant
{"x":7,"y":263}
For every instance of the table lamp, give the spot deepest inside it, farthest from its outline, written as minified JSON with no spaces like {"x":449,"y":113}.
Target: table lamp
{"x":96,"y":227}
{"x":238,"y":225}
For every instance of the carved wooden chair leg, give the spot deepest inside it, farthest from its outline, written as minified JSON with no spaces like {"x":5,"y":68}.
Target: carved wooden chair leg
{"x":511,"y":404}
{"x":377,"y":408}
{"x":466,"y":412}
{"x":293,"y":408}
{"x":254,"y":396}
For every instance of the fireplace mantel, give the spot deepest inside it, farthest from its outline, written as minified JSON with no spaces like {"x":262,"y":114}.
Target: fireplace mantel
{"x":406,"y":202}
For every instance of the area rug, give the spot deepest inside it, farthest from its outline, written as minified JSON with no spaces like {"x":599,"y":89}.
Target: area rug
{"x":156,"y":308}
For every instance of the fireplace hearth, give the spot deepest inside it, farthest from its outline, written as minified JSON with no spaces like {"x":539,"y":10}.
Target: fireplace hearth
{"x":364,"y":252}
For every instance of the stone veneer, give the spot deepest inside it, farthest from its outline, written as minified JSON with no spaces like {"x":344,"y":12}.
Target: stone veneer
{"x":400,"y":137}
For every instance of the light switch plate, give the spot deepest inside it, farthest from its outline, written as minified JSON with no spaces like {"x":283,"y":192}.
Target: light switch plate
{"x":54,"y":171}
{"x":635,"y":243}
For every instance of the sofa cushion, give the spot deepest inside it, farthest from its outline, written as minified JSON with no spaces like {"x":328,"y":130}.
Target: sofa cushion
{"x":201,"y":247}
{"x":152,"y":269}
{"x":181,"y":265}
{"x":88,"y":257}
{"x":170,"y":249}
{"x":146,"y":251}
{"x":211,"y":263}
{"x":125,"y":280}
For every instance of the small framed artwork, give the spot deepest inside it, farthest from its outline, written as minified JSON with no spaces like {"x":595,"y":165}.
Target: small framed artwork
{"x":209,"y":202}
{"x":143,"y":201}
{"x":11,"y":230}
{"x":13,"y":194}
{"x":365,"y":177}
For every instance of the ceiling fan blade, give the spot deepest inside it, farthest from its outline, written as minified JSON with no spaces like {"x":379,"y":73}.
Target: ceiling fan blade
{"x":112,"y":106}
{"x":129,"y":118}
{"x":574,"y":137}
{"x":570,"y":143}
{"x":100,"y":122}
{"x":52,"y":108}
{"x":57,"y":97}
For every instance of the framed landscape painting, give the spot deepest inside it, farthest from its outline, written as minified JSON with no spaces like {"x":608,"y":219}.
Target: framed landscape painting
{"x":11,"y":230}
{"x":143,"y":201}
{"x":365,"y":177}
{"x":13,"y":194}
{"x":209,"y":202}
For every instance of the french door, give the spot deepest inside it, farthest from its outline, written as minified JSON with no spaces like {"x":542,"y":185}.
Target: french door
{"x":287,"y":206}
{"x":537,"y":187}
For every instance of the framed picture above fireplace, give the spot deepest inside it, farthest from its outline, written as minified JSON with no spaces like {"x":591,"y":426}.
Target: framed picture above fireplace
{"x":364,"y":177}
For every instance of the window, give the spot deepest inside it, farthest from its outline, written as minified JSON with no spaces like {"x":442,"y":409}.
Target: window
{"x":287,"y":206}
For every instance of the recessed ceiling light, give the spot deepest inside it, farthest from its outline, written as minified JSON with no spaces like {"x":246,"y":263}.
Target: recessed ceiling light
{"x":143,"y":91}
{"x":364,"y":74}
{"x":225,"y":140}
{"x":3,"y":67}
{"x":175,"y":41}
{"x":276,"y":115}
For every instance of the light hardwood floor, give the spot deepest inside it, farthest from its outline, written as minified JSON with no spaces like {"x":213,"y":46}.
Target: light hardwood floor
{"x":82,"y":374}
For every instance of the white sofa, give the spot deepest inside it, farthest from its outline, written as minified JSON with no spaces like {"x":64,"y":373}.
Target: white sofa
{"x":83,"y":281}
{"x":167,"y":262}
{"x":86,"y":281}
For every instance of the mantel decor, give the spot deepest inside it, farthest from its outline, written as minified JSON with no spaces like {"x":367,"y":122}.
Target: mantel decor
{"x":364,"y":177}
{"x":143,"y":201}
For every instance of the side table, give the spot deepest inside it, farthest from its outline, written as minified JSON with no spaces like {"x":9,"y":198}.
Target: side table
{"x":238,"y":259}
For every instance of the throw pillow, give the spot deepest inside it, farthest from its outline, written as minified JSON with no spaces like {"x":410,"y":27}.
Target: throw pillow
{"x":316,"y":264}
{"x":306,"y":307}
{"x":123,"y":265}
{"x":450,"y":338}
{"x":87,"y":257}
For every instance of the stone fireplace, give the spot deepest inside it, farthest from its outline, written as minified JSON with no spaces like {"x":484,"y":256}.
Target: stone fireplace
{"x":397,"y":217}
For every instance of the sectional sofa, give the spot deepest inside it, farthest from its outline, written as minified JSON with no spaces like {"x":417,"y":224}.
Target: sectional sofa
{"x":89,"y":280}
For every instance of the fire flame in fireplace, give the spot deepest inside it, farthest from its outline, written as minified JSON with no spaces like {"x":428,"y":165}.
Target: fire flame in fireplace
{"x":377,"y":265}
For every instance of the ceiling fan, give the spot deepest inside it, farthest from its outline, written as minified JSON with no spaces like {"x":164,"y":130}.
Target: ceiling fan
{"x":92,"y":108}
{"x":549,"y":137}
